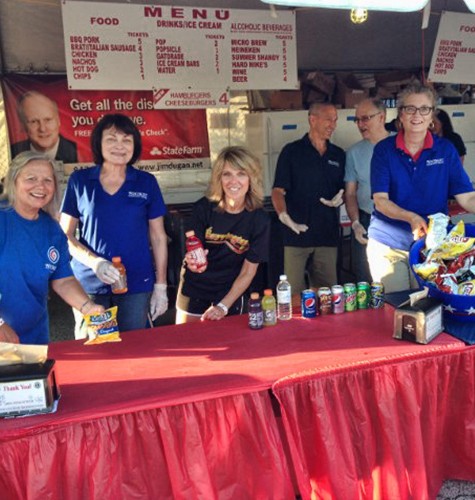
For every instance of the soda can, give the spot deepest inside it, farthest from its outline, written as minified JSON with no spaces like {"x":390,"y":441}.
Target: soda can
{"x":350,"y":297}
{"x":363,"y":295}
{"x":338,"y":299}
{"x":377,"y":295}
{"x":308,"y":303}
{"x":324,"y":300}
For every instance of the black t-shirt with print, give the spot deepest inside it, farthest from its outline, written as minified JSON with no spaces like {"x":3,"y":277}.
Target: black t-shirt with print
{"x":229,"y":238}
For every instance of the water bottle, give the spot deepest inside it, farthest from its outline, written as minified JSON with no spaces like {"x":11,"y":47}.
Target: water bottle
{"x":284,"y":299}
{"x":256,"y":316}
{"x":119,"y":286}
{"x":269,"y":308}
{"x":193,"y":244}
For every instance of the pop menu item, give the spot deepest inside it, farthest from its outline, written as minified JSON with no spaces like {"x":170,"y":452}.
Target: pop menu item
{"x":195,"y":247}
{"x":363,"y":295}
{"x":120,"y":286}
{"x":308,"y":304}
{"x":350,"y":297}
{"x":338,"y":299}
{"x":377,"y":295}
{"x":324,"y":300}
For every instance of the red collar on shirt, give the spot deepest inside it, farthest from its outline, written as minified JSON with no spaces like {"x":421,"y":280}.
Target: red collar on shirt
{"x":428,"y":143}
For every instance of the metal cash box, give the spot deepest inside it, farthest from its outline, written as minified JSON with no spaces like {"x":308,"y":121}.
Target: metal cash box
{"x":421,"y":322}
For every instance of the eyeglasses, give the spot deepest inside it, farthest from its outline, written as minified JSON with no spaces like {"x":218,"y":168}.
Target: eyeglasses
{"x":366,"y":118}
{"x":412,"y":110}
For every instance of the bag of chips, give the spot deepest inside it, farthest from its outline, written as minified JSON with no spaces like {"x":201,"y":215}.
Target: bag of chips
{"x":102,"y":327}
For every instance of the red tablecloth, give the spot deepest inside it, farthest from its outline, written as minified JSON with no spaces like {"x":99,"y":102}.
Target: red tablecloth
{"x":184,"y":411}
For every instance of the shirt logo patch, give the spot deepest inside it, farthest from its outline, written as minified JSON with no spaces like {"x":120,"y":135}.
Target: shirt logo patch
{"x":135,"y":194}
{"x":334,"y":163}
{"x":53,"y":255}
{"x":436,"y":161}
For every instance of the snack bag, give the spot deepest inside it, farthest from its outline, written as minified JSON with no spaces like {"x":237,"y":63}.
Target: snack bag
{"x":455,"y":244}
{"x":437,"y":230}
{"x":102,"y":327}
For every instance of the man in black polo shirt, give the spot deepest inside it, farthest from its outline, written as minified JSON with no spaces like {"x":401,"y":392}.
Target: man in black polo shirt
{"x":307,"y":191}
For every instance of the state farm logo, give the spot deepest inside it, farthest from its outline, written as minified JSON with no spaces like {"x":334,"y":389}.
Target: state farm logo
{"x":176,"y":151}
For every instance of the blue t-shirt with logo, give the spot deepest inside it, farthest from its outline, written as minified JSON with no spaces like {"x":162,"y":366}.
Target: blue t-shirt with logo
{"x":115,"y":225}
{"x":423,"y":186}
{"x":32,"y":253}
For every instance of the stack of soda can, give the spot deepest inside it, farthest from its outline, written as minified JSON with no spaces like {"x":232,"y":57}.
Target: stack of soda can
{"x":339,"y":299}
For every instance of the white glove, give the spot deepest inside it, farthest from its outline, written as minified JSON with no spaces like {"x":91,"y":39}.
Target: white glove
{"x":360,"y":232}
{"x":284,"y":217}
{"x":336,"y":201}
{"x":158,"y":301}
{"x":105,"y":271}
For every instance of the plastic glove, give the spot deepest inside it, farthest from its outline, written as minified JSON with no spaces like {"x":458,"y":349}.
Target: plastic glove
{"x":105,"y":271}
{"x":360,"y":232}
{"x":336,"y":201}
{"x":158,"y":301}
{"x":284,"y":217}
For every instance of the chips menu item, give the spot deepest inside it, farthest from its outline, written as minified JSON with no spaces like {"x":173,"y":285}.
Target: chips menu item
{"x":102,"y":327}
{"x":450,"y":265}
{"x":437,"y":230}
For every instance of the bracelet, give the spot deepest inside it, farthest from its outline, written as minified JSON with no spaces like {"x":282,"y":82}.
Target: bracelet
{"x":84,"y":305}
{"x":2,"y":321}
{"x":222,"y":307}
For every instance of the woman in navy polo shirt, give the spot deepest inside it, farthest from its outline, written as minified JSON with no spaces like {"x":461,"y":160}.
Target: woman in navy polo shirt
{"x":413,"y":174}
{"x":118,"y":211}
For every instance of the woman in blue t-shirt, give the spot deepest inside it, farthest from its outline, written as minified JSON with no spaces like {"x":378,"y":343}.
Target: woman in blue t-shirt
{"x":33,"y":252}
{"x":413,"y":174}
{"x":234,"y":229}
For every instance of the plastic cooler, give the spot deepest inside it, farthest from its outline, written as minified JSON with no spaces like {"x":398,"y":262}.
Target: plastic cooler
{"x":456,"y":307}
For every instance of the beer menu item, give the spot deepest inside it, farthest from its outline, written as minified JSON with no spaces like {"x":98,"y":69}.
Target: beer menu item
{"x":144,"y":47}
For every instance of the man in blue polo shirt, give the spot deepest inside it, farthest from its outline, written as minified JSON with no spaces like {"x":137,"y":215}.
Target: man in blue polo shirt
{"x":307,"y":190}
{"x":413,"y":174}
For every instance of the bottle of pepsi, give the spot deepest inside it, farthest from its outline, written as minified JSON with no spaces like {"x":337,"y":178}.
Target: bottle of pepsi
{"x":256,"y":315}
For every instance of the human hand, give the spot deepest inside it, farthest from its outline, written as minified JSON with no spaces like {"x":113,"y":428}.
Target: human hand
{"x":285,"y":218}
{"x":159,"y":300}
{"x":191,"y":263}
{"x":214,"y":313}
{"x":7,"y":333}
{"x":106,"y":271}
{"x":92,"y":308}
{"x":359,"y":232}
{"x":336,"y":201}
{"x":418,"y":226}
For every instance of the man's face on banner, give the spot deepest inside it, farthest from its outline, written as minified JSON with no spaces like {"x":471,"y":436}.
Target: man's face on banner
{"x":41,"y":122}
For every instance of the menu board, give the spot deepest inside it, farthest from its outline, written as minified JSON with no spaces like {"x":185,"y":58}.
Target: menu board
{"x":145,"y":47}
{"x":453,"y":59}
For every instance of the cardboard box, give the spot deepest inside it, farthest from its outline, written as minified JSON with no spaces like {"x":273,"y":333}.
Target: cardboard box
{"x":349,"y":91}
{"x":286,"y":99}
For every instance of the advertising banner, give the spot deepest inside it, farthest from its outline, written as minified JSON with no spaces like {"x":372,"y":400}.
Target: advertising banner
{"x":145,"y":47}
{"x":453,"y":59}
{"x":172,"y":140}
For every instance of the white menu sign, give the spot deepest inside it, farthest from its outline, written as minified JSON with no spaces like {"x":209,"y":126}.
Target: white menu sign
{"x":453,"y":59}
{"x":142,"y":47}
